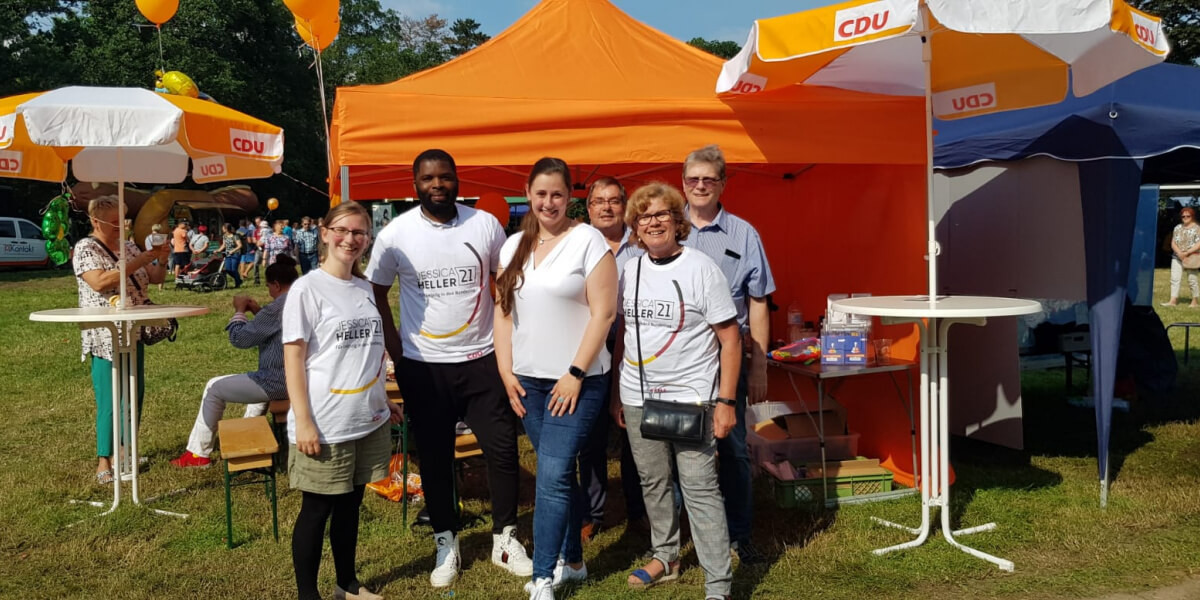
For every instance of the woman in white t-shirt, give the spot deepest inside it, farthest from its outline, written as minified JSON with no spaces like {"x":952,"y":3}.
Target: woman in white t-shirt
{"x":333,"y":359}
{"x":680,"y":328}
{"x":556,"y":298}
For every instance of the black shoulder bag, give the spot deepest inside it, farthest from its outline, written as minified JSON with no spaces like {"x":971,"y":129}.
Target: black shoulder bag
{"x":151,"y":334}
{"x":663,"y":420}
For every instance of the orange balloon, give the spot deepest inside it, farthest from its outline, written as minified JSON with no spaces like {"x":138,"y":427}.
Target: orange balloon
{"x":494,"y":203}
{"x":272,"y":203}
{"x":310,"y":10}
{"x":158,"y":11}
{"x":320,"y":32}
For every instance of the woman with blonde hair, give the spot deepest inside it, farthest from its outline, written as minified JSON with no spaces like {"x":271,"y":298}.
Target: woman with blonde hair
{"x":1185,"y":246}
{"x":333,"y":357}
{"x":98,"y":278}
{"x":682,"y":354}
{"x":556,"y":298}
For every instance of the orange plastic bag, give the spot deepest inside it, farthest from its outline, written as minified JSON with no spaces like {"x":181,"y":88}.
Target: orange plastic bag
{"x":394,"y":487}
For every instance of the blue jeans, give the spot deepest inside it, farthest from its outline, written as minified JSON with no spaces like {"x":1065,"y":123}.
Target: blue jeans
{"x":734,"y":469}
{"x":557,"y":440}
{"x":231,"y":266}
{"x":308,"y":261}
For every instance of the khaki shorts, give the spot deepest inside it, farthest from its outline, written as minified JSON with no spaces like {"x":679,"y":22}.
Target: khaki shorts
{"x":342,"y":466}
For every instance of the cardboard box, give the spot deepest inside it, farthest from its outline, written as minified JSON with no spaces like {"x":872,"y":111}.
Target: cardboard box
{"x":783,"y":430}
{"x":856,"y":352}
{"x":833,"y":349}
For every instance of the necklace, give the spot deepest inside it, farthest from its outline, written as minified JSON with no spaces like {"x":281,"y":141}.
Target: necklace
{"x":542,"y":241}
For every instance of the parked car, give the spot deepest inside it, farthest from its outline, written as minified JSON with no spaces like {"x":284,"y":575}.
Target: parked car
{"x":21,"y":244}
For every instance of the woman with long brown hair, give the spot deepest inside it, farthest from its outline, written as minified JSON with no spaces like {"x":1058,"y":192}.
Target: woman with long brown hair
{"x":556,"y":298}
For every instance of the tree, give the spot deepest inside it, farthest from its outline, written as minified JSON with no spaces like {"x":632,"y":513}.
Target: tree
{"x":1181,"y":20}
{"x":723,"y":48}
{"x":466,"y":36}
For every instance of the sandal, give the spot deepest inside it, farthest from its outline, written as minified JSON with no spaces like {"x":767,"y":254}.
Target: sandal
{"x":104,"y":477}
{"x":645,"y":580}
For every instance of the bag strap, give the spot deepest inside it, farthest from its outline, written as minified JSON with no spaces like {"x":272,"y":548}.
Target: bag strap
{"x":110,"y":254}
{"x":637,"y":329}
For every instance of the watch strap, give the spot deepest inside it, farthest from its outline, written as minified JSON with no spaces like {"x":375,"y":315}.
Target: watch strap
{"x":577,"y":372}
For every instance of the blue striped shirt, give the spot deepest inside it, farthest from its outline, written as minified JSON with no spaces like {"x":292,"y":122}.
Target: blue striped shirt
{"x":306,"y":240}
{"x":734,"y":245}
{"x":265,"y":332}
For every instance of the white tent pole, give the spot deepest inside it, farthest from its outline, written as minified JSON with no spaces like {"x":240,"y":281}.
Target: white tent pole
{"x":121,"y":229}
{"x":932,"y":248}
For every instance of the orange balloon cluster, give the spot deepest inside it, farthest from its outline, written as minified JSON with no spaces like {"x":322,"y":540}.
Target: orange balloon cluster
{"x":158,"y":11}
{"x":317,"y":21}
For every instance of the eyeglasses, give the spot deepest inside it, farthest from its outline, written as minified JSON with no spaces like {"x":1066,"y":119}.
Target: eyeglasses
{"x":343,"y":232}
{"x":661,"y":217}
{"x":1186,"y":215}
{"x":692,"y":182}
{"x":601,"y":202}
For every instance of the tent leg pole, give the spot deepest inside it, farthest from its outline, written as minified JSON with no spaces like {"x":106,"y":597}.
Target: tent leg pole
{"x":345,"y":183}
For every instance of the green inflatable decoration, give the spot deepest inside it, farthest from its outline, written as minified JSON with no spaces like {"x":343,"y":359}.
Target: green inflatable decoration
{"x":54,"y":228}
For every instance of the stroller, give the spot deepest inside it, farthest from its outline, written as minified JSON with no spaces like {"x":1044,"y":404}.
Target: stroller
{"x":204,"y":275}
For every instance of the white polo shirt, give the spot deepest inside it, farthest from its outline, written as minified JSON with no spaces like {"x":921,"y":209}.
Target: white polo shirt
{"x":444,"y":271}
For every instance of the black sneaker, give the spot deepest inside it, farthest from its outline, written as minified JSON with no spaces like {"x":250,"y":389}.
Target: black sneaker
{"x":747,"y":553}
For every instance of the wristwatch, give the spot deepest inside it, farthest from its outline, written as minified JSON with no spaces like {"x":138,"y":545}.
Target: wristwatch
{"x":727,"y":401}
{"x":577,"y":372}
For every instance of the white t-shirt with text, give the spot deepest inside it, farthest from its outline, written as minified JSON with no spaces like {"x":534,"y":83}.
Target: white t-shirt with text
{"x":551,"y":310}
{"x":678,"y":303}
{"x":444,"y":271}
{"x":344,"y":366}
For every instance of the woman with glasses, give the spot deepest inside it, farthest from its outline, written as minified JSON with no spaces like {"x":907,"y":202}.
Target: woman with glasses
{"x":556,"y":298}
{"x":98,"y":278}
{"x":333,"y":358}
{"x":1185,"y":248}
{"x":681,"y":344}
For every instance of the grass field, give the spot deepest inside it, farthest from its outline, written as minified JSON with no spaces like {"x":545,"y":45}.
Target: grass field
{"x":1044,"y":499}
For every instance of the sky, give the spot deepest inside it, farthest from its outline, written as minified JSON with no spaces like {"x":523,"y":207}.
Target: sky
{"x":683,"y":19}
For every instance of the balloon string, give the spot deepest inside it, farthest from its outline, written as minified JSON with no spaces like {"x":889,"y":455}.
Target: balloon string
{"x":324,"y":108}
{"x":161,"y":63}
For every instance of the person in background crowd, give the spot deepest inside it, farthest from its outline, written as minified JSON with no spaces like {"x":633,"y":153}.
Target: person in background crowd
{"x":256,"y":388}
{"x":287,"y":229}
{"x":735,"y":246}
{"x":274,"y":244}
{"x":261,"y":233}
{"x":129,"y":230}
{"x":556,"y":299}
{"x":98,"y":278}
{"x":333,"y":353}
{"x":687,"y":349}
{"x":155,"y":229}
{"x":1185,"y":241}
{"x":199,"y":243}
{"x":180,"y":254}
{"x":246,"y":233}
{"x":606,"y":212}
{"x":231,"y":246}
{"x":444,"y":255}
{"x":306,"y":244}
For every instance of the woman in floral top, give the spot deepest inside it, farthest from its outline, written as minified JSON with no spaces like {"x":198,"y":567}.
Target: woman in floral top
{"x":275,"y":244}
{"x":1185,"y":241}
{"x":98,"y":275}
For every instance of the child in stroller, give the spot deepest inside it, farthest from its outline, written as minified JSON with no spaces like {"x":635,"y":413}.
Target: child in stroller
{"x":204,"y":274}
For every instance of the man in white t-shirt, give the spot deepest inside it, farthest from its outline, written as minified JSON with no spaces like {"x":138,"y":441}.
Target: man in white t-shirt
{"x":445,"y":255}
{"x":199,"y":243}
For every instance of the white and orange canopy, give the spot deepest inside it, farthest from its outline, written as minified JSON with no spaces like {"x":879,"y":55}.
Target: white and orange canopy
{"x":134,"y":135}
{"x":985,"y":55}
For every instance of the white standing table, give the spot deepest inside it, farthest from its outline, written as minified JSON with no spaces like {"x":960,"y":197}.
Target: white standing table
{"x":941,"y":314}
{"x":125,"y":327}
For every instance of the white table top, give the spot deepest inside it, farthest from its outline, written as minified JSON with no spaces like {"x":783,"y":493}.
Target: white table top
{"x":944,"y":307}
{"x":97,"y":314}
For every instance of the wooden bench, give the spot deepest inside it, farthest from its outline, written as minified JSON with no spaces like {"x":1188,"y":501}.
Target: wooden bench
{"x":248,"y":447}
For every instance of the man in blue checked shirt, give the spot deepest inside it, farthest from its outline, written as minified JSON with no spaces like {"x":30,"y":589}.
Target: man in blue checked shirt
{"x":258,"y":387}
{"x":737,"y":249}
{"x":306,"y":244}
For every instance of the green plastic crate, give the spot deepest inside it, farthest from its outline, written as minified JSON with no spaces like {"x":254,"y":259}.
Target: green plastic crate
{"x":807,"y":493}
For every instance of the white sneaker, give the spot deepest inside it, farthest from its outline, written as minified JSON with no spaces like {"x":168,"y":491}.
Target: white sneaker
{"x":564,"y":573}
{"x":542,"y":589}
{"x":509,"y":554}
{"x":445,"y":567}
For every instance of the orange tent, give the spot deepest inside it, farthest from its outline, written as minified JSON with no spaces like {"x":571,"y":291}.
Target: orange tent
{"x":832,"y":179}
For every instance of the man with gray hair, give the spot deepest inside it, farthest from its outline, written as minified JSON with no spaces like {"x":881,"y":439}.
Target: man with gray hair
{"x":737,"y":249}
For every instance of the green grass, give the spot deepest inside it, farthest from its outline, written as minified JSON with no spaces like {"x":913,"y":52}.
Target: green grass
{"x":1044,"y":500}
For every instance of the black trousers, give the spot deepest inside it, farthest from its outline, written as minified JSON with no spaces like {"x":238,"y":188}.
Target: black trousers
{"x":436,"y":397}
